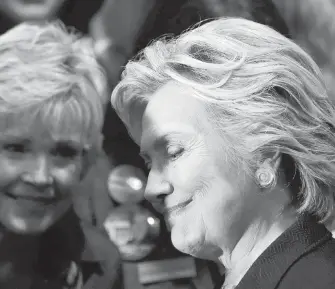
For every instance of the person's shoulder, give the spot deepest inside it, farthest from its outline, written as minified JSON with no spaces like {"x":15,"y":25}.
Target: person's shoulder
{"x":313,"y":270}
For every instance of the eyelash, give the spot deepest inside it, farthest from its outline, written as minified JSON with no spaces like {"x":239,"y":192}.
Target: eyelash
{"x":16,"y":148}
{"x":176,"y":152}
{"x":66,"y":152}
{"x":172,"y":152}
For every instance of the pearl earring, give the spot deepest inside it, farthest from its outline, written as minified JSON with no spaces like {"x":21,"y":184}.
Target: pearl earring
{"x":265,"y":177}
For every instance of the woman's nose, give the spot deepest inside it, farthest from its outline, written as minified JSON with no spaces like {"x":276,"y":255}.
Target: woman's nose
{"x":39,"y":172}
{"x":157,"y":188}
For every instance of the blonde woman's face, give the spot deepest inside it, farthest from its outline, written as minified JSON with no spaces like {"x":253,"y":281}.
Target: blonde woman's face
{"x":206,"y":200}
{"x":39,"y":168}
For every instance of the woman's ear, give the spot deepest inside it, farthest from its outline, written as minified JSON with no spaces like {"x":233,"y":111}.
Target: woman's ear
{"x":267,"y":170}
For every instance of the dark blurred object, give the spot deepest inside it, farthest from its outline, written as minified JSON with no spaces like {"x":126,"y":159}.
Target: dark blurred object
{"x":176,"y":16}
{"x":172,"y":273}
{"x":92,"y":204}
{"x":115,"y":29}
{"x":312,"y":24}
{"x":75,"y":13}
{"x":91,"y":199}
{"x":262,"y":11}
{"x":126,"y":184}
{"x":134,"y":230}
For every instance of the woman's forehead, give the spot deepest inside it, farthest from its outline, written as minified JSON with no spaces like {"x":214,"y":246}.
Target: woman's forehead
{"x":43,"y":136}
{"x":34,"y":129}
{"x":173,"y":103}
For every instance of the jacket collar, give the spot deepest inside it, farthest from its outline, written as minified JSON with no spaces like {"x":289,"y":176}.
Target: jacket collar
{"x":302,"y":237}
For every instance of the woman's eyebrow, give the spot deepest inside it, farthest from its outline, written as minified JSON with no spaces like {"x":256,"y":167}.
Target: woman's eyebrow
{"x":153,"y":139}
{"x":67,"y":143}
{"x":156,"y":143}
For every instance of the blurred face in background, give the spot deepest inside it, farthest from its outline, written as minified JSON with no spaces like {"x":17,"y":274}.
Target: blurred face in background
{"x":39,"y":168}
{"x":31,"y":10}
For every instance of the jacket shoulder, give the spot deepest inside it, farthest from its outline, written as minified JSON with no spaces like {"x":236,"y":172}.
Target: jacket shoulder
{"x":313,"y":270}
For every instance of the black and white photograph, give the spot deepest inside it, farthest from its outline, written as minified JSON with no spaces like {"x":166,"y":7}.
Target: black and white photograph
{"x":167,"y":144}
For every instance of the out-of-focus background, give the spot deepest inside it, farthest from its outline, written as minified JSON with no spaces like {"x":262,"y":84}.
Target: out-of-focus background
{"x":119,"y":29}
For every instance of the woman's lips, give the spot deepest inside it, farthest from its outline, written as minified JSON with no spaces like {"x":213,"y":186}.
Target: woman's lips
{"x":177,"y":207}
{"x":33,"y":198}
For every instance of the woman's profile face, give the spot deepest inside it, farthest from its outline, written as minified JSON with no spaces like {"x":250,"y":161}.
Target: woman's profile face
{"x":39,"y":168}
{"x":206,"y":200}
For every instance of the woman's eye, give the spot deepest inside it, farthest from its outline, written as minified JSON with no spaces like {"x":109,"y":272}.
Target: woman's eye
{"x":67,"y":152}
{"x":15,"y":148}
{"x":174,"y":152}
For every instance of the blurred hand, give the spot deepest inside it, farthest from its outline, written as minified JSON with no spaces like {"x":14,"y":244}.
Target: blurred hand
{"x":111,"y":55}
{"x":104,"y":28}
{"x":92,"y":205}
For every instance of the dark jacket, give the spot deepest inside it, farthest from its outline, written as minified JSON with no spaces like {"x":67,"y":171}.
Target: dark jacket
{"x":303,"y":257}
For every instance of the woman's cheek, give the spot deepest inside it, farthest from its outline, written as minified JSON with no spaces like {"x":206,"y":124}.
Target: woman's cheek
{"x":68,"y":177}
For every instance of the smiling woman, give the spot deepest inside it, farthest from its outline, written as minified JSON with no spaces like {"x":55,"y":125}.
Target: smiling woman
{"x":52,"y":99}
{"x":238,"y":131}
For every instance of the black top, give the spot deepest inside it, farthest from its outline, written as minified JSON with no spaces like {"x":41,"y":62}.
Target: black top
{"x":74,"y":13}
{"x":302,"y":257}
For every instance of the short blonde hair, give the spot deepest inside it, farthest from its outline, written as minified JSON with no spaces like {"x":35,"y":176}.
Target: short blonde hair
{"x":260,"y":87}
{"x":52,"y":69}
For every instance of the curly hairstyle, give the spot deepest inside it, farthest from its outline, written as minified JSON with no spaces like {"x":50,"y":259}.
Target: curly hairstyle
{"x":51,"y":71}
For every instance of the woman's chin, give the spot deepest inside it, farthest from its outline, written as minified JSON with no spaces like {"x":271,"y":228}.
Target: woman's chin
{"x":27,"y":226}
{"x":27,"y":217}
{"x":20,"y":222}
{"x":190,"y":244}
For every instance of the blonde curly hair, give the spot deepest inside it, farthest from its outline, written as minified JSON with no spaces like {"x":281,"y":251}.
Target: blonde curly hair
{"x":51,"y":71}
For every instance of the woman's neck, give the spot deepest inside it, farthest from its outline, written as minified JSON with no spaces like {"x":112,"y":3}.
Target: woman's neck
{"x":18,"y":254}
{"x":256,"y":239}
